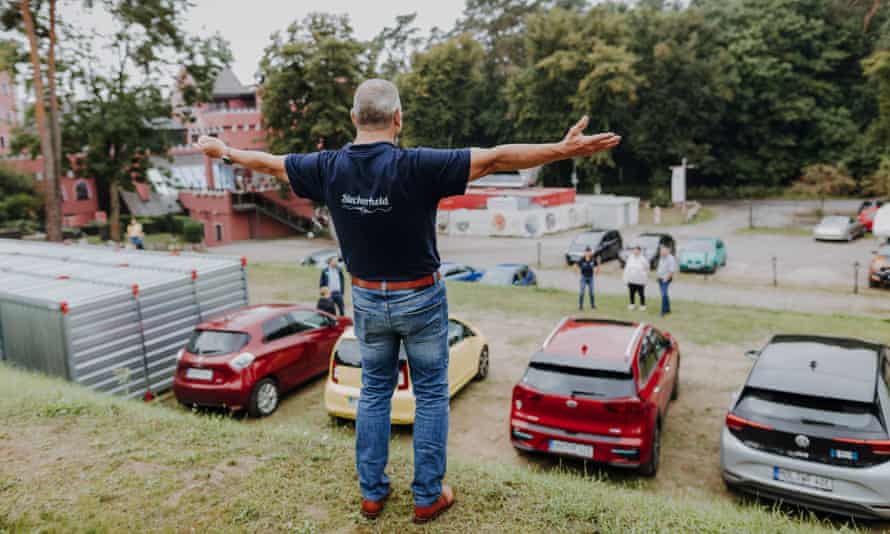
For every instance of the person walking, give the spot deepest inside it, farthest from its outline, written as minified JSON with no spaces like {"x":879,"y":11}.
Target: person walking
{"x":325,"y":303}
{"x":588,"y":266}
{"x":383,"y":201}
{"x":332,"y":278}
{"x":667,"y":267}
{"x":636,"y":275}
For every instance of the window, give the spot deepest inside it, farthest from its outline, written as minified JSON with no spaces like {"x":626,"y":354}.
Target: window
{"x":647,"y":359}
{"x":304,"y":320}
{"x":82,"y":191}
{"x":455,"y":332}
{"x":219,"y":233}
{"x":277,"y":328}
{"x":573,"y":381}
{"x":216,"y":342}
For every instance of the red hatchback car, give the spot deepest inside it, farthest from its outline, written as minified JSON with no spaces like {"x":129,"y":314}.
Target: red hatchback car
{"x":598,"y":390}
{"x":248,"y":358}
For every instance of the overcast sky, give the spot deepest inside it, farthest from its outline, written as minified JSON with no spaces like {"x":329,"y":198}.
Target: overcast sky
{"x":247,"y":24}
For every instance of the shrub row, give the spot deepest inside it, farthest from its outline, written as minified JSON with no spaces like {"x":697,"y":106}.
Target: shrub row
{"x":191,"y":230}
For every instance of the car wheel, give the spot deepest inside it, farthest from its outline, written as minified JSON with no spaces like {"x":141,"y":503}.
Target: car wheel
{"x":482,"y":371}
{"x":650,"y":468}
{"x":263,"y":398}
{"x":872,"y":284}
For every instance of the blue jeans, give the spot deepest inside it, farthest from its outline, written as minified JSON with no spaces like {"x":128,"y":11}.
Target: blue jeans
{"x":337,"y":297}
{"x":665,"y":298}
{"x":384,"y":320}
{"x":588,"y":283}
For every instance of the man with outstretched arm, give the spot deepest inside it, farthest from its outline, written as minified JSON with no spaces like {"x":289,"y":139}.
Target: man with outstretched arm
{"x":383,"y":202}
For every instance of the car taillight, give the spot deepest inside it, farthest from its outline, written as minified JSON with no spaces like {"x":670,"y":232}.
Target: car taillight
{"x":334,"y":376}
{"x":878,"y":447}
{"x":403,"y":375}
{"x":737,"y":424}
{"x":241,"y":361}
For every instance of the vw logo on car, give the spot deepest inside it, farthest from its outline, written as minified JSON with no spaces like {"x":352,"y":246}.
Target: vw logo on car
{"x":802,"y":441}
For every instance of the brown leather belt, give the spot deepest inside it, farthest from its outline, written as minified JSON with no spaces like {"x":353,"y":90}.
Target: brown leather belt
{"x":422,"y":282}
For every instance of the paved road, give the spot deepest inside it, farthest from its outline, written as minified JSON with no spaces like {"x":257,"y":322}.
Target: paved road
{"x":813,"y":276}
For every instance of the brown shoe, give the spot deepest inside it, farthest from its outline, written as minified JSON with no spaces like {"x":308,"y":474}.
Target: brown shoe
{"x":372,"y":509}
{"x":425,"y":514}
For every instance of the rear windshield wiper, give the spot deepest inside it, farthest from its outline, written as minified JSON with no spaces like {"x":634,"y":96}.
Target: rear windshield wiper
{"x":586,"y":393}
{"x":816,"y":422}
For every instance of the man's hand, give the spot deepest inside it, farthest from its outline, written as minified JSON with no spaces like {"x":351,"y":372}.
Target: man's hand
{"x":578,"y":145}
{"x":211,"y":146}
{"x":484,"y":161}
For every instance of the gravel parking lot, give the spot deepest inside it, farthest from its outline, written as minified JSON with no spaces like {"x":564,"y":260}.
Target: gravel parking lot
{"x":812,"y":276}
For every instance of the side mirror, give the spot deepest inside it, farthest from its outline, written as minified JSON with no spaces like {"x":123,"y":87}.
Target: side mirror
{"x":752,"y":354}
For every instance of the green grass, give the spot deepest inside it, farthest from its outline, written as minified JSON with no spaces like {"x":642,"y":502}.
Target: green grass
{"x":73,"y":461}
{"x":775,"y":230}
{"x":79,"y":462}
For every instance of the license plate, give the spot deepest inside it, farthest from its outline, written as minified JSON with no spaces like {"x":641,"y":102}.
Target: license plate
{"x":574,"y":449}
{"x":199,"y":374}
{"x":802,"y":479}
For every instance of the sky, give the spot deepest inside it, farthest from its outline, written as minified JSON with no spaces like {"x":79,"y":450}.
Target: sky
{"x":247,"y":24}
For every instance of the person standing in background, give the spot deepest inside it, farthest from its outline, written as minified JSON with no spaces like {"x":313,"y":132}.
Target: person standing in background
{"x":332,"y":278}
{"x":588,"y":266}
{"x":325,"y":303}
{"x":667,"y":267}
{"x":636,"y":275}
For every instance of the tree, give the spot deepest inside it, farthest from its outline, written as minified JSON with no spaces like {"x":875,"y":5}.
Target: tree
{"x":442,"y":93}
{"x":41,"y":37}
{"x":117,"y":119}
{"x":823,"y":180}
{"x":392,"y":47}
{"x":311,"y":73}
{"x":878,"y":184}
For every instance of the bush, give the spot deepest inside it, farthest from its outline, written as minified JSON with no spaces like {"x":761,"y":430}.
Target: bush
{"x":177,"y":223}
{"x":20,"y":206}
{"x":193,"y":231}
{"x":660,"y":197}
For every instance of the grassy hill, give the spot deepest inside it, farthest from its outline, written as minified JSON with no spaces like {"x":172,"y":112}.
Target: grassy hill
{"x":73,"y":461}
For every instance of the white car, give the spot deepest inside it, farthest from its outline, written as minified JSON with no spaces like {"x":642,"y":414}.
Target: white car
{"x":810,"y":425}
{"x":838,"y":228}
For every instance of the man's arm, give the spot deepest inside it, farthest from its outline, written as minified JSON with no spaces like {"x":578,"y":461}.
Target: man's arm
{"x":485,"y":161}
{"x":251,"y":159}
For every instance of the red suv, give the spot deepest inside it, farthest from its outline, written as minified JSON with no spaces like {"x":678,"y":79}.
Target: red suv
{"x":598,"y":390}
{"x":248,"y":358}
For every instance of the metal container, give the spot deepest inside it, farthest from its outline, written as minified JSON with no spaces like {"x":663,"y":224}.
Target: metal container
{"x":128,"y":343}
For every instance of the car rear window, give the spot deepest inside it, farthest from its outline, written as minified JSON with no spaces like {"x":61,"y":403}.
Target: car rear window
{"x":216,"y":342}
{"x":348,"y":354}
{"x":577,"y":382}
{"x":808,"y":410}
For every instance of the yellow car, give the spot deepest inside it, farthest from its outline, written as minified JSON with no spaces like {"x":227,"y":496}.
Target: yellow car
{"x":468,"y":360}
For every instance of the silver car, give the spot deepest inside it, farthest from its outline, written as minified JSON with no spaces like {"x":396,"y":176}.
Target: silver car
{"x":810,"y":426}
{"x":838,"y":228}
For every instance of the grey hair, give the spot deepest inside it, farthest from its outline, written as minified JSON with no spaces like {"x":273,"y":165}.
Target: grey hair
{"x":375,"y":103}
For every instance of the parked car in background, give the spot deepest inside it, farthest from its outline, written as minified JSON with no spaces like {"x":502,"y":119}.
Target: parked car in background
{"x":649,"y":244}
{"x":459,"y":272}
{"x":598,"y":390}
{"x":320,"y":258}
{"x":468,"y":359}
{"x":879,"y":268}
{"x":248,"y":358}
{"x":867,"y":211}
{"x":838,"y":228}
{"x":704,"y":254}
{"x":810,"y":426}
{"x":509,"y":274}
{"x":605,"y":245}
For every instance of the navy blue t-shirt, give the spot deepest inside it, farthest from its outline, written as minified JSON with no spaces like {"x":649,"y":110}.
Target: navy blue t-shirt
{"x":383,"y":200}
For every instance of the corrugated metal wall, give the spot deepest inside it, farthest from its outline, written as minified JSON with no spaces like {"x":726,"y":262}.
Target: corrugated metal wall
{"x":126,"y":341}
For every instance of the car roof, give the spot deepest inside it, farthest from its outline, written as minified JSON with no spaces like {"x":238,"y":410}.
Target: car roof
{"x":822,"y":366}
{"x":598,"y":344}
{"x":243,"y":319}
